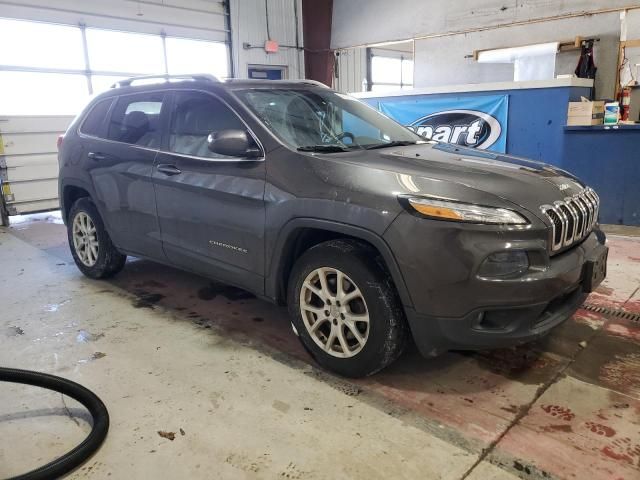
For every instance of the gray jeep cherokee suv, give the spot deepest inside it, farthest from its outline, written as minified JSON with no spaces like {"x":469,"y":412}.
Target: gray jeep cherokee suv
{"x":369,"y":232}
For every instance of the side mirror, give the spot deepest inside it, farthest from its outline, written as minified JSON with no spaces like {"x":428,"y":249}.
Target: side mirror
{"x":232,"y":143}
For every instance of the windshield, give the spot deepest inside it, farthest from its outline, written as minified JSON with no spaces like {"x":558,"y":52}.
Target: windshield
{"x":324,"y":120}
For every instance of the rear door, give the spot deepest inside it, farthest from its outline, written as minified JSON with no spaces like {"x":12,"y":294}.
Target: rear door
{"x":210,"y":207}
{"x":121,"y":163}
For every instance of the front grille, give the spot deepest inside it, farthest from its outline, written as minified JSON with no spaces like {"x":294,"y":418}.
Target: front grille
{"x":573,"y":218}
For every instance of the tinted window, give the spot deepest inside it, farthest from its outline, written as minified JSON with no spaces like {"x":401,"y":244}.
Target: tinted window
{"x":136,"y":120}
{"x":94,"y":122}
{"x":194,"y":117}
{"x":150,"y":108}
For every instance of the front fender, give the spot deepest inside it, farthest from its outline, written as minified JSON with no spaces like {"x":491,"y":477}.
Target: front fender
{"x":285,"y":243}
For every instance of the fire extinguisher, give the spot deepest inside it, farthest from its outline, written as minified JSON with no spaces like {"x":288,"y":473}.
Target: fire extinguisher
{"x":625,"y":102}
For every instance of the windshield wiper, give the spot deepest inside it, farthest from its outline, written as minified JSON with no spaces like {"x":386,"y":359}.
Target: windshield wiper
{"x":323,"y":148}
{"x":396,"y":143}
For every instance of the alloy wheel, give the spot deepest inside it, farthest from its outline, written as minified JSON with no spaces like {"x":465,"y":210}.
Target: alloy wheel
{"x":334,"y":312}
{"x":85,"y":239}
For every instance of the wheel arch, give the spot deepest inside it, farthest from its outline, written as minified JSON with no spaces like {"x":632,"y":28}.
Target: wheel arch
{"x":69,"y":193}
{"x":300,"y":234}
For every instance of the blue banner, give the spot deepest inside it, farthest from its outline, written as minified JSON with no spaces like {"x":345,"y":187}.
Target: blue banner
{"x":478,"y":121}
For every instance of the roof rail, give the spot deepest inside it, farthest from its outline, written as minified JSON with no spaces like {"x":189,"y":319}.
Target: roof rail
{"x":198,"y":76}
{"x":309,"y":82}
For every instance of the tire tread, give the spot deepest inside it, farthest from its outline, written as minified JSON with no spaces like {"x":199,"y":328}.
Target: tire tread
{"x":378,"y":278}
{"x":110,"y":260}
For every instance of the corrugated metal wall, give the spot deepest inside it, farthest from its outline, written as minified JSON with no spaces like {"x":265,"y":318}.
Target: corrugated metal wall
{"x":248,"y":18}
{"x":350,"y":72}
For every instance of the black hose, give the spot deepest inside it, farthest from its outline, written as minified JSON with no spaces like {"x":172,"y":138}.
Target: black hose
{"x":86,"y":397}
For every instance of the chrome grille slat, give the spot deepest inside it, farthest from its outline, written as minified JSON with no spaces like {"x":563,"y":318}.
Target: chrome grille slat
{"x":591,"y":208}
{"x":596,"y":199}
{"x":565,"y":221}
{"x":589,"y":202}
{"x":583,"y":217}
{"x":585,"y":212}
{"x":573,"y":218}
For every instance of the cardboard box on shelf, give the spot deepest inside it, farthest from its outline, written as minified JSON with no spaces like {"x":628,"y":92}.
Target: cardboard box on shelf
{"x":585,"y":113}
{"x":582,"y":120}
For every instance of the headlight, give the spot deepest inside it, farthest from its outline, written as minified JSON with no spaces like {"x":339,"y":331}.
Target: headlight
{"x":463,"y":212}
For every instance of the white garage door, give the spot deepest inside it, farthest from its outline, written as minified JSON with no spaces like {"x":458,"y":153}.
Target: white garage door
{"x":55,"y":55}
{"x":29,"y":162}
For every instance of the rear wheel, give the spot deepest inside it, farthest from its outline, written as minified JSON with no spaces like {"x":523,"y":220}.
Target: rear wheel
{"x":345,"y":308}
{"x":90,"y":244}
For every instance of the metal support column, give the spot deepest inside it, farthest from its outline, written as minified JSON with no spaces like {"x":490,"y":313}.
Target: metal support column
{"x":227,"y":23}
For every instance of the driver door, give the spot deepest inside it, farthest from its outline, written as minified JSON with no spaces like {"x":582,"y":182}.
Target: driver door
{"x":210,"y":207}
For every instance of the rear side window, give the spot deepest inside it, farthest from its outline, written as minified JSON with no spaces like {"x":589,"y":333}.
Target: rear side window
{"x":136,"y":120}
{"x":150,"y":108}
{"x":93,"y":124}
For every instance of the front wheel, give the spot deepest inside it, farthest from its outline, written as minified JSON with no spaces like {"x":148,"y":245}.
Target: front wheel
{"x":90,"y":244}
{"x":345,"y":308}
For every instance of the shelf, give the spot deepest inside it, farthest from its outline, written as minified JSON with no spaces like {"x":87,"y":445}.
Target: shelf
{"x":602,"y":128}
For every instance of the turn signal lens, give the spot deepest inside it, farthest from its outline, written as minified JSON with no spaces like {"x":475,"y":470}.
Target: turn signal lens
{"x":434,"y":211}
{"x":465,"y":212}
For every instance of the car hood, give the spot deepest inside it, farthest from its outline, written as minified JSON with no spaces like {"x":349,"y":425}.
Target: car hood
{"x":430,"y":169}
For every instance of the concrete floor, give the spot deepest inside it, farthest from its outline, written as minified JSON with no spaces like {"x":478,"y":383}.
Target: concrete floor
{"x":172,"y":352}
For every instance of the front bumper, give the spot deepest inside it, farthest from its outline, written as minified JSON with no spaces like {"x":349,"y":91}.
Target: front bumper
{"x":435,"y":335}
{"x":454,"y":308}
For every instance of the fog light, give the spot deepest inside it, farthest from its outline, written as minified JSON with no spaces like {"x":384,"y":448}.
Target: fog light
{"x":494,"y":320}
{"x":503,"y":264}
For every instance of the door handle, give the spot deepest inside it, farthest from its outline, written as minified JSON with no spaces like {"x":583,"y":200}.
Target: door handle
{"x":168,"y":169}
{"x":96,"y":156}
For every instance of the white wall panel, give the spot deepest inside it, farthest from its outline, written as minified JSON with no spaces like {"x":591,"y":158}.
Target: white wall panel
{"x":441,"y":60}
{"x":351,"y":70}
{"x":633,"y":25}
{"x":449,"y":31}
{"x":248,"y":19}
{"x":359,"y":22}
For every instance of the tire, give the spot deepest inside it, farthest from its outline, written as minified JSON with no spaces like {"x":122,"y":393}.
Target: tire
{"x":365,"y":347}
{"x":104,"y":260}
